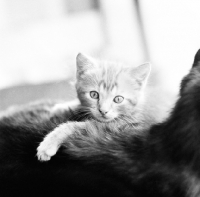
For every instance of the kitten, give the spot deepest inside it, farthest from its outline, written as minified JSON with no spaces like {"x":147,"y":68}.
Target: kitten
{"x":108,"y":93}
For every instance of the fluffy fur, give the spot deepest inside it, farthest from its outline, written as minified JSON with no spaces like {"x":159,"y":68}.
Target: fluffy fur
{"x":160,"y":162}
{"x":109,"y":93}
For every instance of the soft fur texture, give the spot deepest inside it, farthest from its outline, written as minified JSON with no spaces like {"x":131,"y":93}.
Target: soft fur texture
{"x":160,"y":162}
{"x":110,"y":93}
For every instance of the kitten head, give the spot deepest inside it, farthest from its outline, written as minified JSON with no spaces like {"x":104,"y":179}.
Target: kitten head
{"x":109,"y":90}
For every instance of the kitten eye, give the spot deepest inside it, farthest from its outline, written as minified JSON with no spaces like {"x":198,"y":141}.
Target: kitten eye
{"x":94,"y":94}
{"x":118,"y":99}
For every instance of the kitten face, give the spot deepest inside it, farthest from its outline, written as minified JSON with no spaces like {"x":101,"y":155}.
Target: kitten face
{"x":108,"y":90}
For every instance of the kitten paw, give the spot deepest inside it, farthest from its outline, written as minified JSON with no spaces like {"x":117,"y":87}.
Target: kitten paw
{"x":46,"y":151}
{"x":42,"y":156}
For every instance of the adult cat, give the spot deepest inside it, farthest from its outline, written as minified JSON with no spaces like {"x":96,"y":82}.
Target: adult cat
{"x":108,"y":93}
{"x":163,"y":161}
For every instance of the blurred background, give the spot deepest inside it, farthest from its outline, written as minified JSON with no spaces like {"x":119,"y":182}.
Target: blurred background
{"x":39,"y":41}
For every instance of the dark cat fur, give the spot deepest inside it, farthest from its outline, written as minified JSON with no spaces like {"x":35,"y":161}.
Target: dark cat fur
{"x":161,"y":162}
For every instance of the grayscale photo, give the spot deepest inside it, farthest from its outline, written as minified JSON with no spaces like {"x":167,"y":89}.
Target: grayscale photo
{"x":99,"y":98}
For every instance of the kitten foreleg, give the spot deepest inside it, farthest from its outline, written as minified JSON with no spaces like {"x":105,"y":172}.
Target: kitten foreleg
{"x":51,"y":143}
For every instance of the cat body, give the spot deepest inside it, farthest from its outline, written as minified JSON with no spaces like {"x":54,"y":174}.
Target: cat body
{"x":162,"y":161}
{"x":108,"y":93}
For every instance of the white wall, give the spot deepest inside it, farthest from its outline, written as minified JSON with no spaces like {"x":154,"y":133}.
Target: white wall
{"x":173,"y":35}
{"x":122,"y":30}
{"x":39,"y":40}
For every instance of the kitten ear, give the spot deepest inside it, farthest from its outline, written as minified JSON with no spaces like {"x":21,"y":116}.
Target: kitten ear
{"x":197,"y":59}
{"x":84,"y":63}
{"x":141,"y":73}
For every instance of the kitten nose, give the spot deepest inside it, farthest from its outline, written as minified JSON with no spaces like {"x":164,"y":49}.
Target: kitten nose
{"x":103,"y":112}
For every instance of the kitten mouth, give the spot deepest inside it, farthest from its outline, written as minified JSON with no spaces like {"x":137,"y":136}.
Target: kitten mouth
{"x":103,"y":119}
